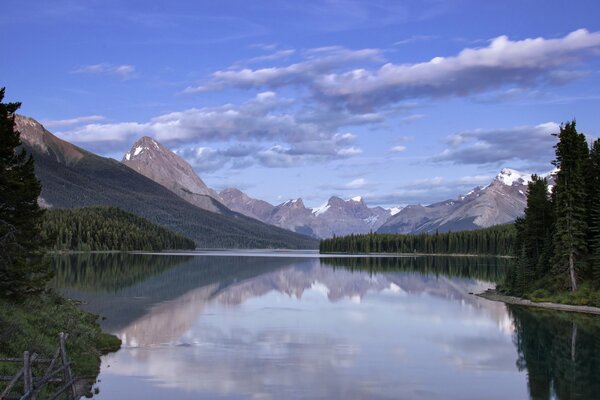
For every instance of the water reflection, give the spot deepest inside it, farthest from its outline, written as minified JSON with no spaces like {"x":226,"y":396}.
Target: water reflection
{"x":561,"y":353}
{"x":262,"y":327}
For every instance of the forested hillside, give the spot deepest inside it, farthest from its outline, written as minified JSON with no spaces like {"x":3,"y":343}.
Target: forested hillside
{"x":107,"y":228}
{"x":72,"y":177}
{"x":496,"y":240}
{"x":559,"y":236}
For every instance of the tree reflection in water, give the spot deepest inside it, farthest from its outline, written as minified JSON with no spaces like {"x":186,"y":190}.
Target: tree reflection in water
{"x":560,"y":351}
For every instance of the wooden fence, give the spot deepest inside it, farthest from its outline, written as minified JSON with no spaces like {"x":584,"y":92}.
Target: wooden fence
{"x":56,"y":381}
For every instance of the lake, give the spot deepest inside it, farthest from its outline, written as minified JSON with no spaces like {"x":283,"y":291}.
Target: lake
{"x":293,"y":325}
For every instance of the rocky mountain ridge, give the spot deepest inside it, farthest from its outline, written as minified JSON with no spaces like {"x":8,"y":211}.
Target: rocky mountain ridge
{"x":153,"y":160}
{"x":500,"y":202}
{"x":73,"y":177}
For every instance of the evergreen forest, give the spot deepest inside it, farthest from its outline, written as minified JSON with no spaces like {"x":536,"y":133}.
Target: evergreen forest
{"x":496,"y":240}
{"x":559,"y":234}
{"x":107,"y":228}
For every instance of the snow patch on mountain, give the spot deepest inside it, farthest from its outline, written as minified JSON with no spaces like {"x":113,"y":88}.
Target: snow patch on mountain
{"x":395,"y":210}
{"x":137,"y":151}
{"x":372,"y":220}
{"x":321,"y":209}
{"x":510,"y":176}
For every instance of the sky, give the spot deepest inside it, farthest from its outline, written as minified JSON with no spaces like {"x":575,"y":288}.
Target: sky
{"x":400,"y":102}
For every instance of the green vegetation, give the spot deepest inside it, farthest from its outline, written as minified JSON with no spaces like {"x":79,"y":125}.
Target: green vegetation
{"x":31,"y":316}
{"x":91,"y":180}
{"x":38,"y":332}
{"x":559,"y":237}
{"x":107,"y":228}
{"x":22,"y":268}
{"x":496,"y":240}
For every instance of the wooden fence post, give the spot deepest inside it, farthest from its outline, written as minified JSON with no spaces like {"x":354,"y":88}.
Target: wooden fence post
{"x":31,"y":385}
{"x":65,"y":361}
{"x":27,"y":376}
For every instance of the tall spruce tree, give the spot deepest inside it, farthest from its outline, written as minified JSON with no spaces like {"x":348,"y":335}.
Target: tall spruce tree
{"x":539,"y":226}
{"x":570,"y":245}
{"x":22,"y":270}
{"x":534,"y":233}
{"x":593,"y":182}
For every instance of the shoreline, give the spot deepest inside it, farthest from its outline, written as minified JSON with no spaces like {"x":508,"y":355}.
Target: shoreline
{"x":492,"y":295}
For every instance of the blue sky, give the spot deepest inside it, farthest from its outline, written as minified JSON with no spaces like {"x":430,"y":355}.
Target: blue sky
{"x":398,"y":101}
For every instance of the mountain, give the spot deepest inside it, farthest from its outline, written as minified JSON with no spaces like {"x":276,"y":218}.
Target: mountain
{"x":293,"y":215}
{"x":239,"y":201}
{"x":72,"y":177}
{"x":155,"y":161}
{"x":500,"y":202}
{"x":335,"y":217}
{"x":342,"y":217}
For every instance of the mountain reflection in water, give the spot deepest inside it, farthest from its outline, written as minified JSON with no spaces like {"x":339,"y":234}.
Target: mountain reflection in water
{"x":266,"y":327}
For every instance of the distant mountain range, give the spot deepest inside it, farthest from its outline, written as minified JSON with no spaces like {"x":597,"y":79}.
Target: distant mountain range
{"x":336,"y":217}
{"x":502,"y":201}
{"x":73,"y":177}
{"x":156,"y":183}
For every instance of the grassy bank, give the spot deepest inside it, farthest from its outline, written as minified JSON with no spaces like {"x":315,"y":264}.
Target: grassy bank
{"x":570,"y":302}
{"x":585,"y":295}
{"x":34,"y":325}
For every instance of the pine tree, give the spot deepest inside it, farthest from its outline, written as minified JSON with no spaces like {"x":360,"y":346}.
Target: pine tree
{"x":537,"y":227}
{"x":594,"y":209}
{"x":570,"y":244}
{"x":21,"y":269}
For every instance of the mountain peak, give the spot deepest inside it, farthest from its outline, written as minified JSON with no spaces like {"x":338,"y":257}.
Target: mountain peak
{"x":143,"y":144}
{"x":357,"y":199}
{"x":510,"y":176}
{"x":294,"y":203}
{"x":37,"y":137}
{"x":163,"y":166}
{"x":231,"y":191}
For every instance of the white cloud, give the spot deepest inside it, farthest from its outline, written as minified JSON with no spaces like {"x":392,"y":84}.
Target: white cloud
{"x":62,"y":123}
{"x":317,"y":61}
{"x":358,"y":183}
{"x":475,"y":180}
{"x":414,"y":39}
{"x":398,"y":149}
{"x":124,"y":71}
{"x":522,"y":143}
{"x":259,"y":130}
{"x":503,"y":63}
{"x":279,"y":54}
{"x":473,"y":70}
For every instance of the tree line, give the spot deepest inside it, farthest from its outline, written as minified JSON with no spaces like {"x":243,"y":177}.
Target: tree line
{"x":559,"y":234}
{"x":103,"y":228}
{"x":27,"y":231}
{"x":495,"y":240}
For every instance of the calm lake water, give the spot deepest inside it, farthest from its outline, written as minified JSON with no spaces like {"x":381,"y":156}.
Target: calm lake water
{"x":296,"y":326}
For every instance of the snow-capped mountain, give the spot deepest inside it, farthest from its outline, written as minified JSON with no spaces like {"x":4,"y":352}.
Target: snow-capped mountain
{"x":72,"y":177}
{"x":155,"y":161}
{"x":334,"y":217}
{"x":340,"y":217}
{"x":502,"y":201}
